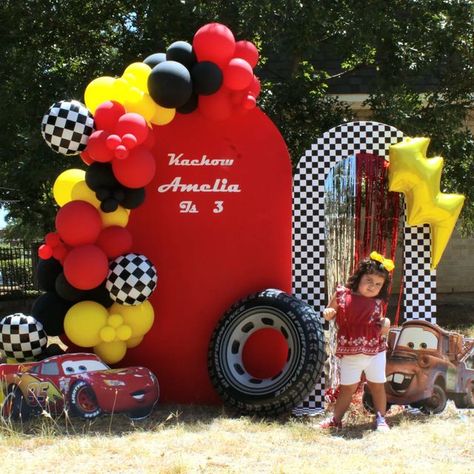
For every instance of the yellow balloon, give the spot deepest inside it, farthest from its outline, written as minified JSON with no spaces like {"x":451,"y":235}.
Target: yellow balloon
{"x":81,"y":192}
{"x":111,"y":352}
{"x":124,"y":332}
{"x":134,"y":341}
{"x":140,"y":103}
{"x":418,"y":178}
{"x":162,"y":115}
{"x":139,"y":317}
{"x":98,"y":91}
{"x":118,"y":217}
{"x":65,"y":182}
{"x":107,"y":334}
{"x":115,"y":320}
{"x":83,"y":322}
{"x":137,"y":74}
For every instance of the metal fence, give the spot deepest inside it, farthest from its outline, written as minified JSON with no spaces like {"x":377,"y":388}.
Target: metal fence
{"x":18,"y":261}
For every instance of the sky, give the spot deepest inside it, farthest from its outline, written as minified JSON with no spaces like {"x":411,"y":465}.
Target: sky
{"x":2,"y":218}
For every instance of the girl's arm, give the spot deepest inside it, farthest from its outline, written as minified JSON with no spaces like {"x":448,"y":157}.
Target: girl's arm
{"x":385,"y":325}
{"x":331,"y":309}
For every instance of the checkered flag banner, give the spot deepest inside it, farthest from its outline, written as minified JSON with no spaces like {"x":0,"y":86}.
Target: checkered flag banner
{"x":22,"y":337}
{"x":339,"y":143}
{"x":67,"y":126}
{"x":131,"y":279}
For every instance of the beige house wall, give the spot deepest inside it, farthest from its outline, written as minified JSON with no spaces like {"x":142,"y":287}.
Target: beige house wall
{"x":455,"y":272}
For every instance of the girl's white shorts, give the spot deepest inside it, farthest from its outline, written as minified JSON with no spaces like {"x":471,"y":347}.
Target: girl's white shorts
{"x":352,"y":367}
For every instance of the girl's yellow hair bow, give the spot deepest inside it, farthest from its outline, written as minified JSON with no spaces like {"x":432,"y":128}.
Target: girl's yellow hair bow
{"x":386,"y":262}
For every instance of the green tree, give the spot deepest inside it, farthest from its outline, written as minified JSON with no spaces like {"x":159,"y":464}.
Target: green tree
{"x":51,"y":49}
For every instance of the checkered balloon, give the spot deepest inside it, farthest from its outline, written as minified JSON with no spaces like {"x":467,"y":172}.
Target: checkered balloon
{"x":131,"y":279}
{"x":67,"y":126}
{"x":22,"y":337}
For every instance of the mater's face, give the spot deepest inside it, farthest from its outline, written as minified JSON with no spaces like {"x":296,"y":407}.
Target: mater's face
{"x":417,"y":339}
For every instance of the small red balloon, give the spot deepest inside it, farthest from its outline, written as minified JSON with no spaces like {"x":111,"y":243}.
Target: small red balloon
{"x":249,"y":102}
{"x":248,"y":51}
{"x":115,"y":241}
{"x":255,"y":87}
{"x":45,"y":252}
{"x":107,"y":115}
{"x":134,"y":124}
{"x":78,"y":223}
{"x":214,"y":42}
{"x":137,"y":170}
{"x":60,"y":252}
{"x":97,"y":148}
{"x":238,"y":74}
{"x":113,"y":141}
{"x":130,"y":141}
{"x":52,"y":239}
{"x":86,"y":267}
{"x":121,"y":152}
{"x":85,"y":157}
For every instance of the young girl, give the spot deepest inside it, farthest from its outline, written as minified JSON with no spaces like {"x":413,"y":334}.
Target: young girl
{"x":358,"y":310}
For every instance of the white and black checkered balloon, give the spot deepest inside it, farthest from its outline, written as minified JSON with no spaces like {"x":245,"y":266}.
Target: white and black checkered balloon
{"x":22,"y":337}
{"x":131,"y":279}
{"x":67,"y":126}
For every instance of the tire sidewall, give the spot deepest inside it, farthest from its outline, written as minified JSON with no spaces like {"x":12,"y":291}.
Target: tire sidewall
{"x":305,"y":337}
{"x":75,"y":405}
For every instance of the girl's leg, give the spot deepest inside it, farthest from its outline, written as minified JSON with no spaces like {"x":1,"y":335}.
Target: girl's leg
{"x":378,"y":396}
{"x":344,"y":400}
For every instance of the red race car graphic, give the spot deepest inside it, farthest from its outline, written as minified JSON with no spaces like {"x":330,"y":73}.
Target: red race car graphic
{"x":79,"y":383}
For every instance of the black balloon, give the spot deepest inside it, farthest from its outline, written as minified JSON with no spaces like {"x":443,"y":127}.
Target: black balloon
{"x":47,"y":272}
{"x":100,"y":175}
{"x":207,"y":78}
{"x":50,"y":309}
{"x":169,"y":84}
{"x":118,"y":194}
{"x":66,"y":291}
{"x":181,"y":52}
{"x":133,"y":197}
{"x":155,"y":59}
{"x":109,"y":205}
{"x":189,"y":106}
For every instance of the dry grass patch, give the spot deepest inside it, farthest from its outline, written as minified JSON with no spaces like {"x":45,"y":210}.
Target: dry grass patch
{"x":187,"y":439}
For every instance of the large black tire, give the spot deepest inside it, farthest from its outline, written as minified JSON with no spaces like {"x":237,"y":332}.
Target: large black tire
{"x":303,"y":331}
{"x":436,"y":403}
{"x":83,"y":401}
{"x":465,"y":400}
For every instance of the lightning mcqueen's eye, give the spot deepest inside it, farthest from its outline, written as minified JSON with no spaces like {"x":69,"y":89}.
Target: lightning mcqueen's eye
{"x":69,"y":369}
{"x":82,"y":367}
{"x":411,"y":345}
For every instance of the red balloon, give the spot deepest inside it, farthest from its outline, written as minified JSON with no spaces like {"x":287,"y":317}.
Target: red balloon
{"x":45,"y":252}
{"x":134,"y":124}
{"x":150,"y":141}
{"x":107,"y":115}
{"x":86,"y":267}
{"x":113,"y":141}
{"x":60,"y":252}
{"x":137,"y":170}
{"x":217,"y":106}
{"x":248,"y":51}
{"x":52,"y":239}
{"x":86,"y":158}
{"x":238,"y":74}
{"x":214,"y":42}
{"x":115,"y":241}
{"x":97,"y":148}
{"x":255,"y":87}
{"x":249,"y":102}
{"x":78,"y":223}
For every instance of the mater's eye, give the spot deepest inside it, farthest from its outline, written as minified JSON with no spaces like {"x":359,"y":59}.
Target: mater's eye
{"x":411,"y":345}
{"x":423,"y":345}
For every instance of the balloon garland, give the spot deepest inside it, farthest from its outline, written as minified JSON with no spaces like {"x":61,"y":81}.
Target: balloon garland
{"x":97,"y":288}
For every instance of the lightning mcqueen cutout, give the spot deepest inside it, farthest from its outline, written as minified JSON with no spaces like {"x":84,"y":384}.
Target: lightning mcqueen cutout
{"x":81,"y":383}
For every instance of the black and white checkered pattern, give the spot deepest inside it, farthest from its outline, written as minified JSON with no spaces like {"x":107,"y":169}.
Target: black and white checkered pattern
{"x":131,"y":279}
{"x":22,"y":337}
{"x":67,"y":126}
{"x":419,"y":294}
{"x":308,"y":213}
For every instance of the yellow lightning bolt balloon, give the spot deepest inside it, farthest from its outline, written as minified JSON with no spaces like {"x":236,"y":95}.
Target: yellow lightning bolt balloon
{"x":418,"y":178}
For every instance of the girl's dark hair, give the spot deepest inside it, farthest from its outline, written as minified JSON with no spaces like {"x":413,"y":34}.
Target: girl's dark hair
{"x":369,"y":267}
